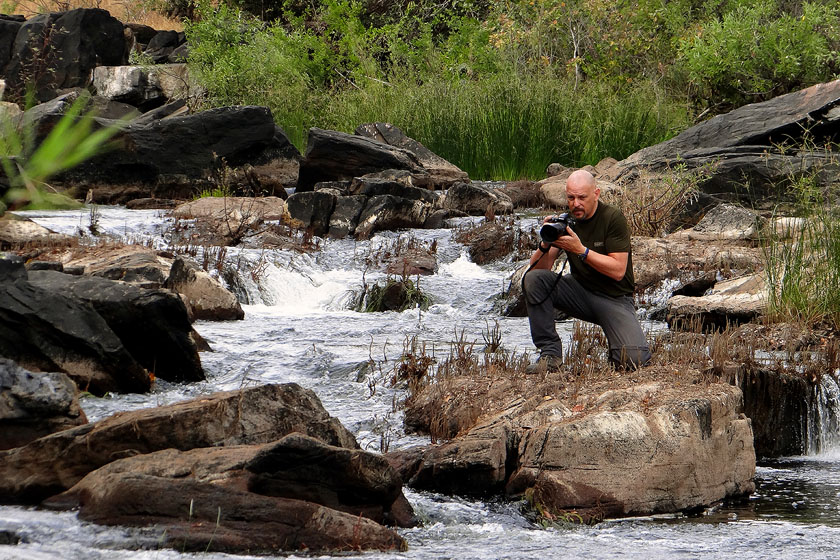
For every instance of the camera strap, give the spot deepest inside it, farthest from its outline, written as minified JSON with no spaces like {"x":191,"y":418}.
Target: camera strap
{"x":530,"y":268}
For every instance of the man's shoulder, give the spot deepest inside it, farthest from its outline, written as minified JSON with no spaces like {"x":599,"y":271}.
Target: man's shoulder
{"x":610,"y":212}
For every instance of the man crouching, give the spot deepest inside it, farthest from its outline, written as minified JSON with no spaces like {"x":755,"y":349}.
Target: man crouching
{"x":600,"y":287}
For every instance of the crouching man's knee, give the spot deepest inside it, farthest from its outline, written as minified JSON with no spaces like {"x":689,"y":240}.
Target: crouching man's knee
{"x":630,"y":357}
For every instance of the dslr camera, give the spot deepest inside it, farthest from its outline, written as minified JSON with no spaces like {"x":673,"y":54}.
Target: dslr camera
{"x":556,"y":227}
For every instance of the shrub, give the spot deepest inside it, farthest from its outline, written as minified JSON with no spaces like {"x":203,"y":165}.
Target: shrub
{"x":758,"y":51}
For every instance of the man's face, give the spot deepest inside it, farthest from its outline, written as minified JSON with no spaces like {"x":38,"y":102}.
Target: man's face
{"x":582,"y":198}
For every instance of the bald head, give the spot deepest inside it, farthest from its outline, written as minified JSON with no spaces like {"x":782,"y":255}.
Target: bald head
{"x":582,"y":194}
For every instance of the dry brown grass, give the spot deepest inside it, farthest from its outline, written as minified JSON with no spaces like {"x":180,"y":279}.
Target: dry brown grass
{"x":469,"y":385}
{"x":126,"y":11}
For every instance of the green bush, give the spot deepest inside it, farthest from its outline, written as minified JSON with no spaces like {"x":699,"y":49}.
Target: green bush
{"x":757,"y":51}
{"x":488,"y":112}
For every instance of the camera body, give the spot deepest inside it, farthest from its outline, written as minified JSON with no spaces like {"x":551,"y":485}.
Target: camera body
{"x":556,"y":227}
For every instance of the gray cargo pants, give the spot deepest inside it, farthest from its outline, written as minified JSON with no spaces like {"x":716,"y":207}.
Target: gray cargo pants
{"x":616,"y":315}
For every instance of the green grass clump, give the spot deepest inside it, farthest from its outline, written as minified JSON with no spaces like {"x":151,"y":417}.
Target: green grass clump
{"x":803,"y":266}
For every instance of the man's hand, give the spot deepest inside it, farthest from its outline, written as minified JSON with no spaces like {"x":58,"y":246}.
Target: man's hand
{"x":570,"y":242}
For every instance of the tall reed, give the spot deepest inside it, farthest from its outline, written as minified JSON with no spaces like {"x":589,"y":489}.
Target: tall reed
{"x":803,"y":264}
{"x":512,"y":126}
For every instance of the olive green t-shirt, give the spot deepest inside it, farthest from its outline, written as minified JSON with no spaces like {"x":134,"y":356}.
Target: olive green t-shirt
{"x":605,"y":232}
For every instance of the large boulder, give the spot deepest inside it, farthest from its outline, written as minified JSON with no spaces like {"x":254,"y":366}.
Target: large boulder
{"x":440,"y":174}
{"x":173,"y":157}
{"x":47,"y":329}
{"x":60,"y":50}
{"x":153,"y":325}
{"x":295,"y":466}
{"x":741,"y":155}
{"x":207,"y":517}
{"x":54,"y":463}
{"x":337,"y":156}
{"x":636,"y":449}
{"x":681,"y":456}
{"x":35,"y":404}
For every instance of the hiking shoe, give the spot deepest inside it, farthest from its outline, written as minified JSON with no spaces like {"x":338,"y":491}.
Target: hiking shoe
{"x":546,"y":363}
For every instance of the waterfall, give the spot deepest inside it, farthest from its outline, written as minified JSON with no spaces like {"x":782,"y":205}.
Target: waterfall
{"x":824,"y":416}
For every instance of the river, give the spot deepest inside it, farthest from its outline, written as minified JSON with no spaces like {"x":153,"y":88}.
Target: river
{"x":297,"y":329}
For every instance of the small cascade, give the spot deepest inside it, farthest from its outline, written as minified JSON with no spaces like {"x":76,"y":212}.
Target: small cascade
{"x":824,"y":416}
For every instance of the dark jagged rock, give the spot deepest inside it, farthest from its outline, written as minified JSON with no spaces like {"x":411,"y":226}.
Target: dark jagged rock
{"x":441,"y":174}
{"x":153,"y":325}
{"x":33,"y":405}
{"x":313,"y":209}
{"x":172,"y":155}
{"x":387,"y":212}
{"x":46,"y":329}
{"x":738,"y":154}
{"x":67,"y":46}
{"x":337,"y":156}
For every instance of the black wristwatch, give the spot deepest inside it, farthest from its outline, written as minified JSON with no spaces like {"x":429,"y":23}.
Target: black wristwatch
{"x":540,"y":247}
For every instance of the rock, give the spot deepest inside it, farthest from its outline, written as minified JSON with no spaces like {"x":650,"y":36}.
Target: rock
{"x":205,"y":296}
{"x":336,"y":156}
{"x":731,"y":302}
{"x":153,"y":204}
{"x":476,"y":465}
{"x":8,"y":31}
{"x":440,"y":174}
{"x":624,"y":448}
{"x":145,"y":87}
{"x":478,"y":199}
{"x":295,"y":467}
{"x":388,"y":212}
{"x":133,"y":264}
{"x":152,"y":325}
{"x":208,"y":518}
{"x":230,"y":220}
{"x":683,"y":455}
{"x":779,"y":407}
{"x":54,"y":463}
{"x":399,"y":184}
{"x":172,"y":154}
{"x":79,"y":40}
{"x":267,"y":208}
{"x":162,"y":44}
{"x":48,"y":329}
{"x":349,"y":480}
{"x":35,"y":404}
{"x":17,"y":232}
{"x":345,"y":215}
{"x":492,"y":241}
{"x":142,"y":33}
{"x":726,"y":222}
{"x":313,"y":209}
{"x":739,"y":154}
{"x":412,"y":261}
